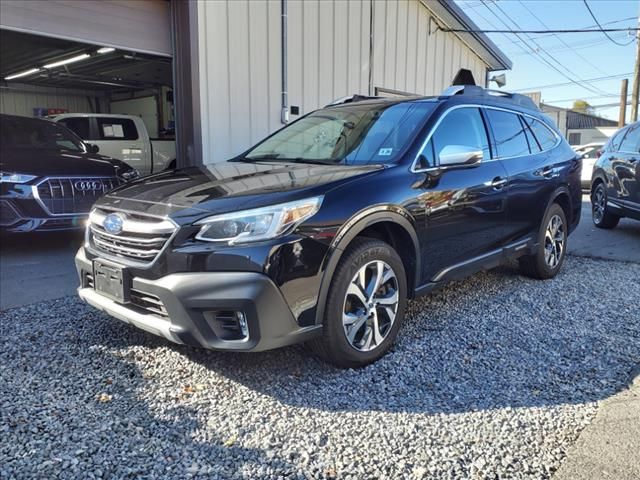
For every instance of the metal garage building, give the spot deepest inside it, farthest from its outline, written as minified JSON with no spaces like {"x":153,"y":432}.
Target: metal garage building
{"x":230,"y":58}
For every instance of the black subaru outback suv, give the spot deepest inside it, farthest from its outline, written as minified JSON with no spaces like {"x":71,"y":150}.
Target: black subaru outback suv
{"x":322,"y":231}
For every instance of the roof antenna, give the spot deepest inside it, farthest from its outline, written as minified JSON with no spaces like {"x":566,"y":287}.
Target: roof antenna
{"x":463,"y":77}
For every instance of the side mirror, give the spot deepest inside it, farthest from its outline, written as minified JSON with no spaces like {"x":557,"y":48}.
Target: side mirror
{"x":93,"y":148}
{"x":460,"y":156}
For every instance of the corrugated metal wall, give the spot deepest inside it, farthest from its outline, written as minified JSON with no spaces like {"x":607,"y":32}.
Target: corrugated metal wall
{"x":141,"y":25}
{"x":407,"y":58}
{"x":329,"y":53}
{"x":239,"y":74}
{"x":22,"y":99}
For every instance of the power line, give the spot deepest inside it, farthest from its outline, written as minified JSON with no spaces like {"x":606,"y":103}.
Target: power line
{"x":588,"y":26}
{"x":590,"y":80}
{"x":586,"y":60}
{"x":567,"y":30}
{"x":571,"y":46}
{"x":571,"y":75}
{"x":581,"y":98}
{"x":606,"y":30}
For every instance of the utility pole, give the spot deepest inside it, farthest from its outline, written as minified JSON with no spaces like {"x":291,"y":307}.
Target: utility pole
{"x":636,"y":80}
{"x":623,"y":103}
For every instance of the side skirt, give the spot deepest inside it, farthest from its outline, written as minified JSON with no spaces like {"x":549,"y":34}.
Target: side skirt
{"x":485,"y":261}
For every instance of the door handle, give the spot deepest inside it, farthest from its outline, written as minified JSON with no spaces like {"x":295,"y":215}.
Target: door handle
{"x":547,"y":172}
{"x":498,"y":183}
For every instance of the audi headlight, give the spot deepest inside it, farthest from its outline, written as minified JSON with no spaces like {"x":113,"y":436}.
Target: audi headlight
{"x":258,"y":224}
{"x":6,"y":177}
{"x":130,"y":175}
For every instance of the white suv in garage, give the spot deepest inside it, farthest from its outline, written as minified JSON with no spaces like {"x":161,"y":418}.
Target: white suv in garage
{"x":124,"y":137}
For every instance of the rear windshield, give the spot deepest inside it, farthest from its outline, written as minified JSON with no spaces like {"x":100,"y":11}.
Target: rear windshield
{"x":353,"y":134}
{"x":37,"y":134}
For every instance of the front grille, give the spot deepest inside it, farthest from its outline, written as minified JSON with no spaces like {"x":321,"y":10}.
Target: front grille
{"x":148,"y":302}
{"x":142,"y":238}
{"x":73,"y":195}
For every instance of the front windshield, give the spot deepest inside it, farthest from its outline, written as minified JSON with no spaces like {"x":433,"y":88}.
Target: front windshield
{"x":37,"y":134}
{"x":352,"y":134}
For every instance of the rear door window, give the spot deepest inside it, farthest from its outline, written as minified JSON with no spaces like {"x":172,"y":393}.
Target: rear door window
{"x":117,"y":129}
{"x":464,"y":127}
{"x":509,"y":134}
{"x":81,"y":126}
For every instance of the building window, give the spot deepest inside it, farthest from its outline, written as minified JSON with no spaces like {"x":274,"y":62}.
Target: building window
{"x":574,"y":138}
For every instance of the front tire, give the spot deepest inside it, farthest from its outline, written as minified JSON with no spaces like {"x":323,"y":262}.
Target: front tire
{"x":552,"y":246}
{"x":365,"y":306}
{"x":600,"y":214}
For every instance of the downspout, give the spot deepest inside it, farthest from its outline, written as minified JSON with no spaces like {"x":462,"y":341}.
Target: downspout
{"x":284,"y":113}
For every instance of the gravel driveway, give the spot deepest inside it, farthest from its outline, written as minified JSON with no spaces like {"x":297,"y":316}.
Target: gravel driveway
{"x":492,"y":376}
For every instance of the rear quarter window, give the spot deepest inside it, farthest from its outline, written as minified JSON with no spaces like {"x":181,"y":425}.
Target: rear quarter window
{"x":631,"y":141}
{"x":116,"y":129}
{"x":545,"y":137}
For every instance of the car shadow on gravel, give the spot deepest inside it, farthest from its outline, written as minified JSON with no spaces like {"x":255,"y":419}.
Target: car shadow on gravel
{"x":71,"y":407}
{"x":495,"y":340}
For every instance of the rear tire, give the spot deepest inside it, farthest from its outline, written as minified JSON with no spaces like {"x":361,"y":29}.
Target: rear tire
{"x":600,"y":213}
{"x":365,"y":306}
{"x":552,"y":246}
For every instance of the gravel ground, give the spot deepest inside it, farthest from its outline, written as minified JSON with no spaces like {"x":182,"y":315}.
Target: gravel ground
{"x":492,"y":377}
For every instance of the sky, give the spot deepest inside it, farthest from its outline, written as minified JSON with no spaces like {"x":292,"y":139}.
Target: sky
{"x":579,"y":56}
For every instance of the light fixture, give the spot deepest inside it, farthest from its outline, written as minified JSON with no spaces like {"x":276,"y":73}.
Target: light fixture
{"x":22,"y":74}
{"x":106,"y":50}
{"x":501,"y":80}
{"x":77,"y":58}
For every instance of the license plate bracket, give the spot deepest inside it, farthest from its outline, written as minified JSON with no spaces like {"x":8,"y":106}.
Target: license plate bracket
{"x":110,"y":280}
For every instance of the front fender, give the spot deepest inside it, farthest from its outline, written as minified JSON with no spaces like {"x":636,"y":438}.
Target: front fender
{"x":350,"y":230}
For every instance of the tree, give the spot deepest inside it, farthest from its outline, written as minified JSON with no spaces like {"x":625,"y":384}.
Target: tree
{"x":582,"y":106}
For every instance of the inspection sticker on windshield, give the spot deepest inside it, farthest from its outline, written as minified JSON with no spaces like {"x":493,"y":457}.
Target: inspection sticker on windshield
{"x":385,"y":152}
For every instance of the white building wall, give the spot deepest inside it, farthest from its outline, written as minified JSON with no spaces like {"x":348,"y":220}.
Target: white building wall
{"x":329,"y":56}
{"x":19,"y":99}
{"x":408,"y":58}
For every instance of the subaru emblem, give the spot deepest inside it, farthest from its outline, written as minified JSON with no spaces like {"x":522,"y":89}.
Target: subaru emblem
{"x":113,"y":223}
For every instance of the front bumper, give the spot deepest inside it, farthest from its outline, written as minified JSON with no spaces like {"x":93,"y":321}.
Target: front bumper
{"x":26,"y":215}
{"x":192,"y":302}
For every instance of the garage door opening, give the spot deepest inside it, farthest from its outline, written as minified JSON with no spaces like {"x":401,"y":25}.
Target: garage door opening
{"x":121,"y":100}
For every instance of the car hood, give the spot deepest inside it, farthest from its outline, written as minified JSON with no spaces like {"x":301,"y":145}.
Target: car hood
{"x":229,"y":186}
{"x":43,"y":163}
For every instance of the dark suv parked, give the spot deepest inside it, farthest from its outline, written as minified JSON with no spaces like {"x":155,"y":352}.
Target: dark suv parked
{"x":322,"y":231}
{"x":49,"y":178}
{"x":615,"y":185}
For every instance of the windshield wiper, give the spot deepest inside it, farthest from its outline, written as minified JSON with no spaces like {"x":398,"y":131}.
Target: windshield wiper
{"x":307,"y":160}
{"x":257,"y":158}
{"x":277,"y":158}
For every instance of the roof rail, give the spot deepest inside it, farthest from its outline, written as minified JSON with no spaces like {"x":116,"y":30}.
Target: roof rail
{"x":350,"y":99}
{"x":476,"y":91}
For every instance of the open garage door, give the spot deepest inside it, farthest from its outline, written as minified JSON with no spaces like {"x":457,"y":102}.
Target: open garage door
{"x":139,"y":26}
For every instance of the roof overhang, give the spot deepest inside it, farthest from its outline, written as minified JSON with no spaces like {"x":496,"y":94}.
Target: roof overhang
{"x":454,"y":17}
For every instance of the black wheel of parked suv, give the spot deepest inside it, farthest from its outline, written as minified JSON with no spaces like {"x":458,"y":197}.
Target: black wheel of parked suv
{"x":552,"y":241}
{"x":365,"y":306}
{"x":602,"y":217}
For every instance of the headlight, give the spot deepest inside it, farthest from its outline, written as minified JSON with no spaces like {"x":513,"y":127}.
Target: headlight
{"x":130,"y":174}
{"x":258,"y":224}
{"x":6,"y":177}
